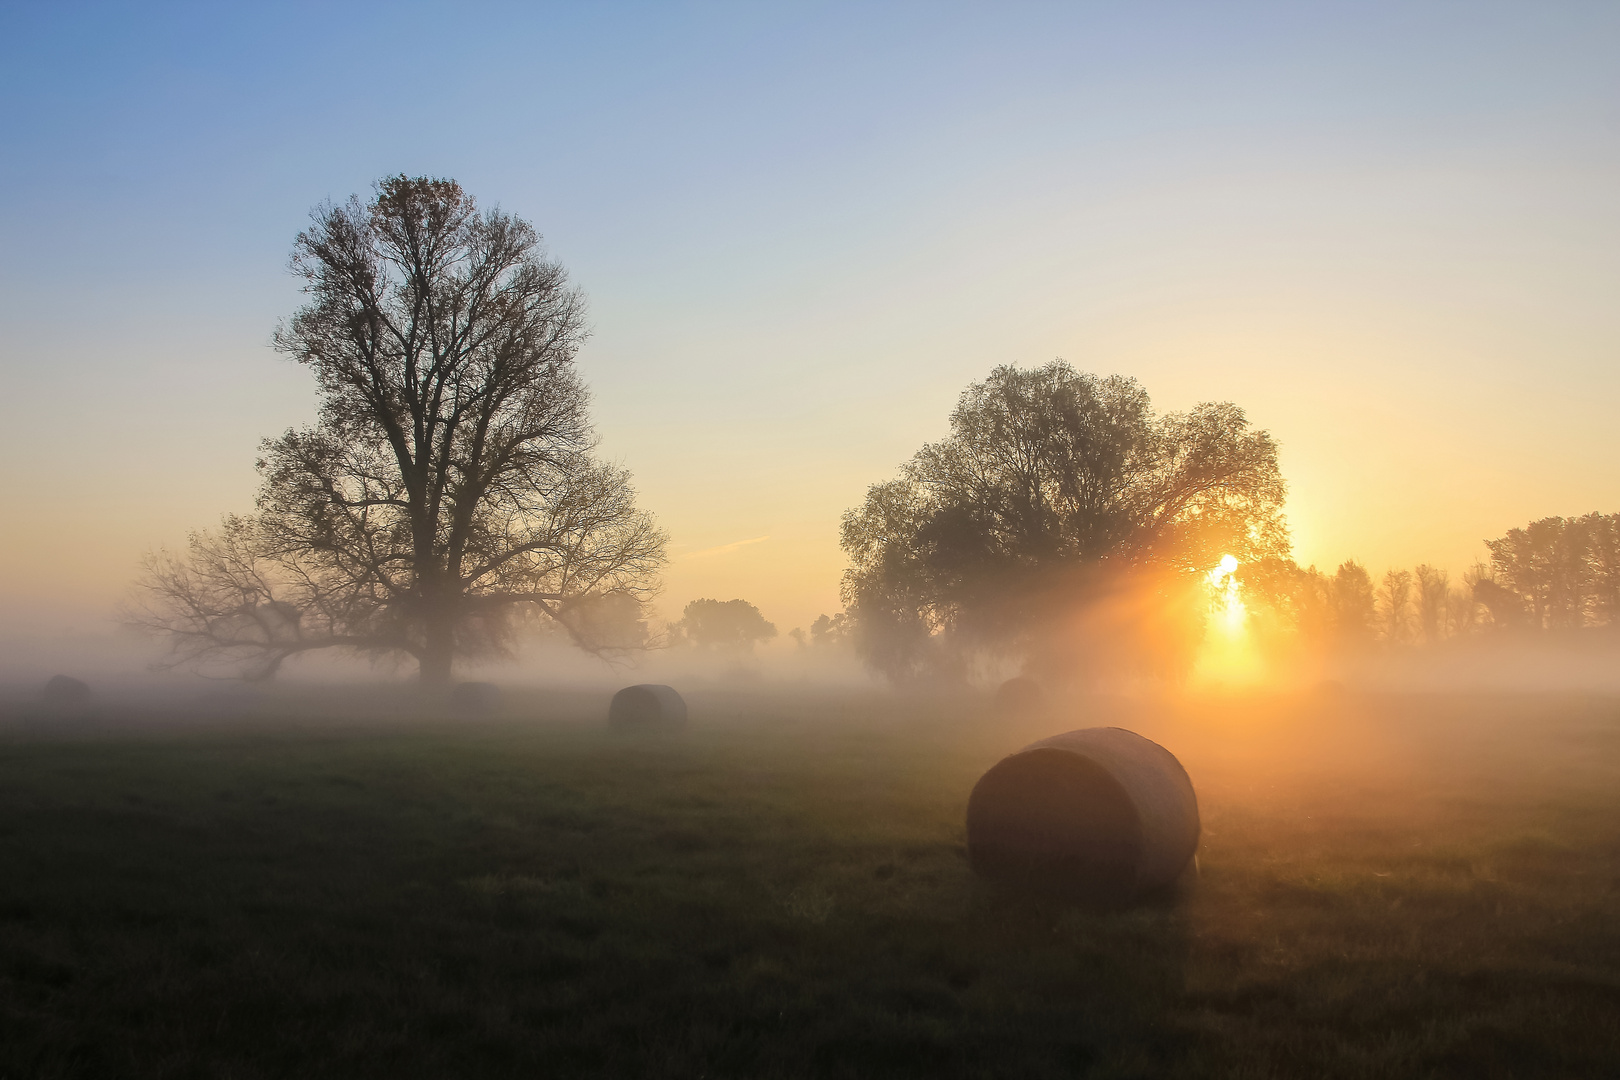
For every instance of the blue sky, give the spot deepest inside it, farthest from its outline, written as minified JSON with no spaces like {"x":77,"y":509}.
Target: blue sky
{"x":1389,"y":231}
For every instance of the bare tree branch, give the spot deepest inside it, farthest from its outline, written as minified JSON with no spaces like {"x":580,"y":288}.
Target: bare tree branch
{"x":450,"y":475}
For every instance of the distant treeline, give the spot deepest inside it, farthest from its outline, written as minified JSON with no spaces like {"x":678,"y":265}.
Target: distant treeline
{"x":1556,"y":574}
{"x":1553,"y":574}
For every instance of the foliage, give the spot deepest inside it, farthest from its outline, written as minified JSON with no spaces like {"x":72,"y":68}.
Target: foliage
{"x":1556,"y":574}
{"x":1286,"y":602}
{"x":830,"y":630}
{"x":1394,"y":606}
{"x":734,"y":625}
{"x":1553,"y":575}
{"x":827,"y":632}
{"x":1353,"y":603}
{"x":1559,"y":573}
{"x":613,"y":622}
{"x":1056,"y":491}
{"x":450,"y":477}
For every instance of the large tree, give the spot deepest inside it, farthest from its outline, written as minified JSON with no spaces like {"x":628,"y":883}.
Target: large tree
{"x":1056,"y":493}
{"x":449,"y":486}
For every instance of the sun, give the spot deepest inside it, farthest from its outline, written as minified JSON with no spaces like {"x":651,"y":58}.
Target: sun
{"x":1227,"y":658}
{"x":1226,"y":597}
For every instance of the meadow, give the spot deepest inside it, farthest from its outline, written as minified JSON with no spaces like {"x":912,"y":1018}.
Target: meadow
{"x":1389,"y":885}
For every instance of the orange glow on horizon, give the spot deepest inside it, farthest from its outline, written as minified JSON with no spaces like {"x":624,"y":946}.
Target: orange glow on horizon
{"x":1226,"y":602}
{"x":1227,"y":656}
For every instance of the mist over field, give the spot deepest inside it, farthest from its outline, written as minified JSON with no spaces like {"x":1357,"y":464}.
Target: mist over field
{"x":836,"y":541}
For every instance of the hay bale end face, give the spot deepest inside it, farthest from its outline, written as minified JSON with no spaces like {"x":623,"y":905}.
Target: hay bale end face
{"x":66,"y":690}
{"x":1020,"y":695}
{"x":647,"y":705}
{"x":1099,"y":814}
{"x":475,"y":698}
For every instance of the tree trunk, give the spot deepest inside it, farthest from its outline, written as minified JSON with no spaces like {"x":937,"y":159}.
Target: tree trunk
{"x":438,"y":652}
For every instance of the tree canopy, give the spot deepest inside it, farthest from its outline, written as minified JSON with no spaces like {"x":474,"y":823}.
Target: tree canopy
{"x":449,"y":485}
{"x":1053,"y":490}
{"x":724,"y":624}
{"x":1558,"y":573}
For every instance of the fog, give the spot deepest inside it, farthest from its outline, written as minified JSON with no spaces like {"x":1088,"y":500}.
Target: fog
{"x":126,"y":674}
{"x":1393,"y":849}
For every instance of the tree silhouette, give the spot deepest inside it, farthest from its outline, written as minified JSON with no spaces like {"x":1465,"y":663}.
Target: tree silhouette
{"x":1463,"y":609}
{"x":1052,"y":489}
{"x":1394,"y":606}
{"x":1432,"y":592}
{"x":724,"y":624}
{"x":1603,"y":562}
{"x":1353,"y":604}
{"x":1562,"y":573}
{"x":1287,"y":604}
{"x":830,"y":630}
{"x":1554,"y":574}
{"x":449,"y":484}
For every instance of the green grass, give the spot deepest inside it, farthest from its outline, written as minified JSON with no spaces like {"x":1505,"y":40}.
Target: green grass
{"x":1390,"y":887}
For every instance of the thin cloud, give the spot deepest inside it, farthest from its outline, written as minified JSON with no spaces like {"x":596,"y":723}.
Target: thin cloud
{"x":725,"y":549}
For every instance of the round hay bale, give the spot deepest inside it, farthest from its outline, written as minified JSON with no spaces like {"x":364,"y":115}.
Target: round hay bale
{"x":475,"y":698}
{"x":66,"y":690}
{"x":647,"y":705}
{"x":1100,"y":814}
{"x":1020,"y":695}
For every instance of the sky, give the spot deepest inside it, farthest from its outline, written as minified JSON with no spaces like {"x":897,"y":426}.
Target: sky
{"x":1390,"y":232}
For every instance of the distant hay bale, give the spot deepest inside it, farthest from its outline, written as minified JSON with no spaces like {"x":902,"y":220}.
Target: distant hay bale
{"x":1020,"y":695}
{"x":647,"y":705}
{"x":1100,"y":814}
{"x":65,"y":690}
{"x":475,"y":697}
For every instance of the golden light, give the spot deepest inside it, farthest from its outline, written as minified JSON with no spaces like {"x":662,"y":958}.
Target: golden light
{"x":1227,"y":657}
{"x":1226,"y":600}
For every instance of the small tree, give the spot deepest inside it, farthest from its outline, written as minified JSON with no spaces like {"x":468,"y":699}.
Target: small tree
{"x":1353,"y":604}
{"x":1394,"y":606}
{"x":1433,"y":594}
{"x":1462,"y":610}
{"x":1286,"y":602}
{"x":734,"y":625}
{"x":449,"y":484}
{"x":829,"y":631}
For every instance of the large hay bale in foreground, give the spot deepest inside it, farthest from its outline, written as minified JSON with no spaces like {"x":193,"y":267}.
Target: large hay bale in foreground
{"x":475,"y":698}
{"x":647,"y":705}
{"x":1100,"y":814}
{"x":1020,"y":696}
{"x":64,"y":690}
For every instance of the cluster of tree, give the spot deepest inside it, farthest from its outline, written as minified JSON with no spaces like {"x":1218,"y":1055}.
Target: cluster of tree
{"x":1061,"y":523}
{"x":827,"y":632}
{"x":1349,"y":610}
{"x":448,"y":493}
{"x":1553,"y":574}
{"x":721,"y":625}
{"x":1556,"y":573}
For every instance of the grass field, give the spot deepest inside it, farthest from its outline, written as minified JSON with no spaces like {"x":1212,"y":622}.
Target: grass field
{"x":1390,"y":886}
